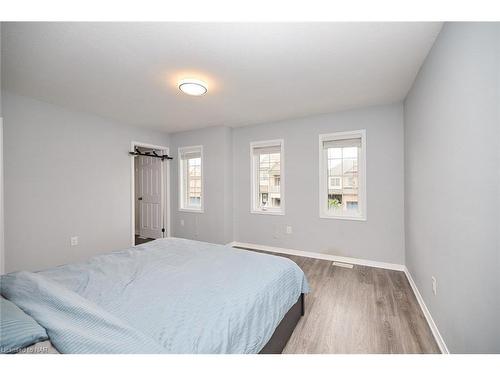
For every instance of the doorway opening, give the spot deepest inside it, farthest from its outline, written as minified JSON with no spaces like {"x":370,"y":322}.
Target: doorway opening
{"x":150,"y":194}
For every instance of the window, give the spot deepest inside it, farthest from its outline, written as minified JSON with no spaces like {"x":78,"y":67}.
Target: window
{"x":191,"y":178}
{"x":335,"y":183}
{"x":342,"y":175}
{"x":267,"y":177}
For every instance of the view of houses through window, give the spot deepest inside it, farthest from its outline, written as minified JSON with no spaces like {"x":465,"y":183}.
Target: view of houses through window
{"x":342,"y":185}
{"x":267,"y":176}
{"x":342,"y":179}
{"x":194,"y":181}
{"x":269,"y":180}
{"x":191,"y":178}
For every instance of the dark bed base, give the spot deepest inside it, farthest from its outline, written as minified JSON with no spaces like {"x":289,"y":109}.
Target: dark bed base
{"x":280,"y":337}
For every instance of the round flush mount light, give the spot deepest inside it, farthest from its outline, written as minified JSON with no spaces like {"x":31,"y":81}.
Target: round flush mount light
{"x":193,"y":87}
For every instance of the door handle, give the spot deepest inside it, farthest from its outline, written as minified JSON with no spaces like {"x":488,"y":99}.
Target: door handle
{"x":140,"y":198}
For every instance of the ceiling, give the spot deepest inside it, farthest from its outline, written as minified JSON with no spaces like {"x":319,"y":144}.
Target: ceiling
{"x":256,"y":72}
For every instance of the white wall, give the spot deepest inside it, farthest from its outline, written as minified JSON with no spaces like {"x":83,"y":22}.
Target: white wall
{"x":215,"y":223}
{"x":380,"y":238}
{"x":66,"y":173}
{"x":452,"y":197}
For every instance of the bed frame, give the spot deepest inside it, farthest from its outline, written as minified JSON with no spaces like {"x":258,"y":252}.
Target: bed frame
{"x":282,"y":334}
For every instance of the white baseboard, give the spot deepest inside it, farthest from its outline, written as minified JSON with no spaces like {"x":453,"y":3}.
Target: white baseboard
{"x":432,"y":325}
{"x":308,"y":254}
{"x":362,"y":262}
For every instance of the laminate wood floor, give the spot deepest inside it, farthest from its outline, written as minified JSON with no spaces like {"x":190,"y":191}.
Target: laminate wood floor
{"x":359,"y":310}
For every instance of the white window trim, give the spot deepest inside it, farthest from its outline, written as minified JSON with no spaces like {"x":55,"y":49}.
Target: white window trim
{"x":180,"y":152}
{"x":323,"y":176}
{"x":253,"y":209}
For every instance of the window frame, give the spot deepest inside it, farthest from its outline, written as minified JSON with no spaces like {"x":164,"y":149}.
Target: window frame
{"x":323,"y":174}
{"x":180,"y":152}
{"x":254,"y":209}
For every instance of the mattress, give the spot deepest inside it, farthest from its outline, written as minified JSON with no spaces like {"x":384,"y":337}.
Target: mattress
{"x":166,"y":296}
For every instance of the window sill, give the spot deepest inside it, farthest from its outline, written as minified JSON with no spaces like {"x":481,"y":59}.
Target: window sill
{"x":262,"y":212}
{"x":193,"y":210}
{"x":351,"y":218}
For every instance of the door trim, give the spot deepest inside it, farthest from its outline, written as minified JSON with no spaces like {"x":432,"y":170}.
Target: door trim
{"x":165,"y":188}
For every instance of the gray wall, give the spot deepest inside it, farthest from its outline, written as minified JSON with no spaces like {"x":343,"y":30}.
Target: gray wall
{"x":452,"y":144}
{"x":380,"y":238}
{"x":227,"y":179}
{"x":2,"y":254}
{"x":215,"y":223}
{"x":66,"y":173}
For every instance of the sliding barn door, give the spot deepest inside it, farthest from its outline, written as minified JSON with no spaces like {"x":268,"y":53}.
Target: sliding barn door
{"x":150,"y":197}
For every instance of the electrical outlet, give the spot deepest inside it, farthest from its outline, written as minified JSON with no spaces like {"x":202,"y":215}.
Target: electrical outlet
{"x":74,"y":241}
{"x":288,"y":229}
{"x":182,"y":222}
{"x":434,"y":285}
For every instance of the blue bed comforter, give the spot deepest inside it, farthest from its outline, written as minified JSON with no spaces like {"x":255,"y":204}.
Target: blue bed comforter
{"x":167,"y":296}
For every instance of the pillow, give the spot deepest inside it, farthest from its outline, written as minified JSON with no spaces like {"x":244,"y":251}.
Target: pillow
{"x":17,"y":330}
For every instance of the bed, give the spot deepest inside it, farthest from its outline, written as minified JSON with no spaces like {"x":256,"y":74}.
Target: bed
{"x":166,"y":296}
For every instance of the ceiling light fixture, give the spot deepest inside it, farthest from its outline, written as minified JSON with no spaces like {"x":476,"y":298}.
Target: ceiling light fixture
{"x":193,"y":87}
